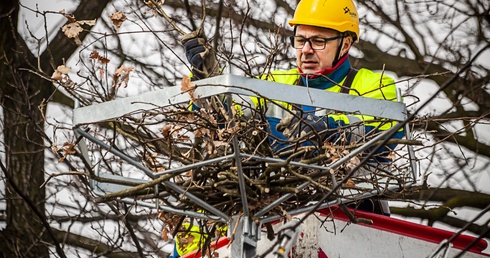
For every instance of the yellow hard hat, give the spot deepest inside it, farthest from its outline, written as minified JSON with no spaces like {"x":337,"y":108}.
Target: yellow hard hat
{"x":339,"y":15}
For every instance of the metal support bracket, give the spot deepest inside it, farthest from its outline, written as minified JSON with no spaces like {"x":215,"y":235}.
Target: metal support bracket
{"x":245,"y":234}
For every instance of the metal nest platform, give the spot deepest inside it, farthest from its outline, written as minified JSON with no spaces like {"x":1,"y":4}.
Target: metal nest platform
{"x":216,"y":163}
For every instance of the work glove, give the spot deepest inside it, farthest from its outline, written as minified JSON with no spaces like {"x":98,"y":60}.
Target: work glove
{"x":299,"y":124}
{"x":201,"y":58}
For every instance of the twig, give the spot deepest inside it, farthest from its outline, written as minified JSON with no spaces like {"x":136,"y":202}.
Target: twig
{"x":62,"y":174}
{"x":353,"y":218}
{"x":162,"y":12}
{"x":309,"y":179}
{"x":232,"y":237}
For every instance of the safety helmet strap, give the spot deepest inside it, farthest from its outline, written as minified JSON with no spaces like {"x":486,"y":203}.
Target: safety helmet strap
{"x":339,"y":48}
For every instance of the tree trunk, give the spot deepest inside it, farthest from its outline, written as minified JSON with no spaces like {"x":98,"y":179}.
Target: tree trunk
{"x":23,"y":97}
{"x":23,"y":124}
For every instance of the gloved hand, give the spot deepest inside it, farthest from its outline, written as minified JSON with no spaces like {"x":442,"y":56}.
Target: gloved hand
{"x":298,"y":125}
{"x":200,"y":57}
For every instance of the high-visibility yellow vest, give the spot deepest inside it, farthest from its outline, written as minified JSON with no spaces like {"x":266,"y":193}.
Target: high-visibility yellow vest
{"x":366,"y":83}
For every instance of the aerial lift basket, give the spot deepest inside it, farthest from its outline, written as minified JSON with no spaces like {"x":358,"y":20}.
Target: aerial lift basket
{"x":159,"y":188}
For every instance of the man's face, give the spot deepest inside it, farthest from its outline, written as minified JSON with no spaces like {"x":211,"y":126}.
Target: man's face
{"x":310,"y":60}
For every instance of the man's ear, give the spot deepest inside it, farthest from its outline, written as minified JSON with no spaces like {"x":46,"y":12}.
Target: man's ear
{"x":346,"y":44}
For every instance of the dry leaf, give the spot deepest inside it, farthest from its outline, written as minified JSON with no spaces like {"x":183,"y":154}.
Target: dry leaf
{"x":183,"y":138}
{"x":59,"y":72}
{"x":166,"y":131}
{"x":152,"y":8}
{"x":122,"y":76}
{"x":151,"y":5}
{"x":391,"y":156}
{"x":72,"y":30}
{"x":349,"y":184}
{"x":70,"y":17}
{"x":117,"y":19}
{"x":161,"y":216}
{"x":63,"y":80}
{"x":95,"y":55}
{"x":210,"y":147}
{"x":186,"y":84}
{"x":54,"y":147}
{"x":88,"y":22}
{"x":78,"y":42}
{"x":63,"y":69}
{"x":352,"y":163}
{"x":165,"y":234}
{"x":69,"y":148}
{"x":56,"y":76}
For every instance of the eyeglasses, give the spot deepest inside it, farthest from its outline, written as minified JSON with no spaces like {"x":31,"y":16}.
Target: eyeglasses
{"x":316,"y":43}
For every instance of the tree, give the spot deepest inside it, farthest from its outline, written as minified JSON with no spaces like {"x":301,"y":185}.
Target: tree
{"x":24,"y":96}
{"x":145,"y":51}
{"x":21,"y":117}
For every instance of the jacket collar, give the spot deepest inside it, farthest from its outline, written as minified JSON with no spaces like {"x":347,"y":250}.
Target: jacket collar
{"x":328,"y":77}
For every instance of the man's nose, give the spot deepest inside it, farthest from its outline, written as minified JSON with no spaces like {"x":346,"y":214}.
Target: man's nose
{"x":307,"y":47}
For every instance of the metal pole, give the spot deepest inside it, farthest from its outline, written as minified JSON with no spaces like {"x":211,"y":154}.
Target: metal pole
{"x":244,"y":244}
{"x":408,"y":135}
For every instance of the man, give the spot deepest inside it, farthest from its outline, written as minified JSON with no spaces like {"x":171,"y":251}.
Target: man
{"x":324,"y":31}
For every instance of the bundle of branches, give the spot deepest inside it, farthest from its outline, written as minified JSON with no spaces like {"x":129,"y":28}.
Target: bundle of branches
{"x":196,"y":145}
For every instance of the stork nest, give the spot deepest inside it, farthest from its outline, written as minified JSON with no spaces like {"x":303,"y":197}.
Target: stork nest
{"x":210,"y":151}
{"x":170,"y":141}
